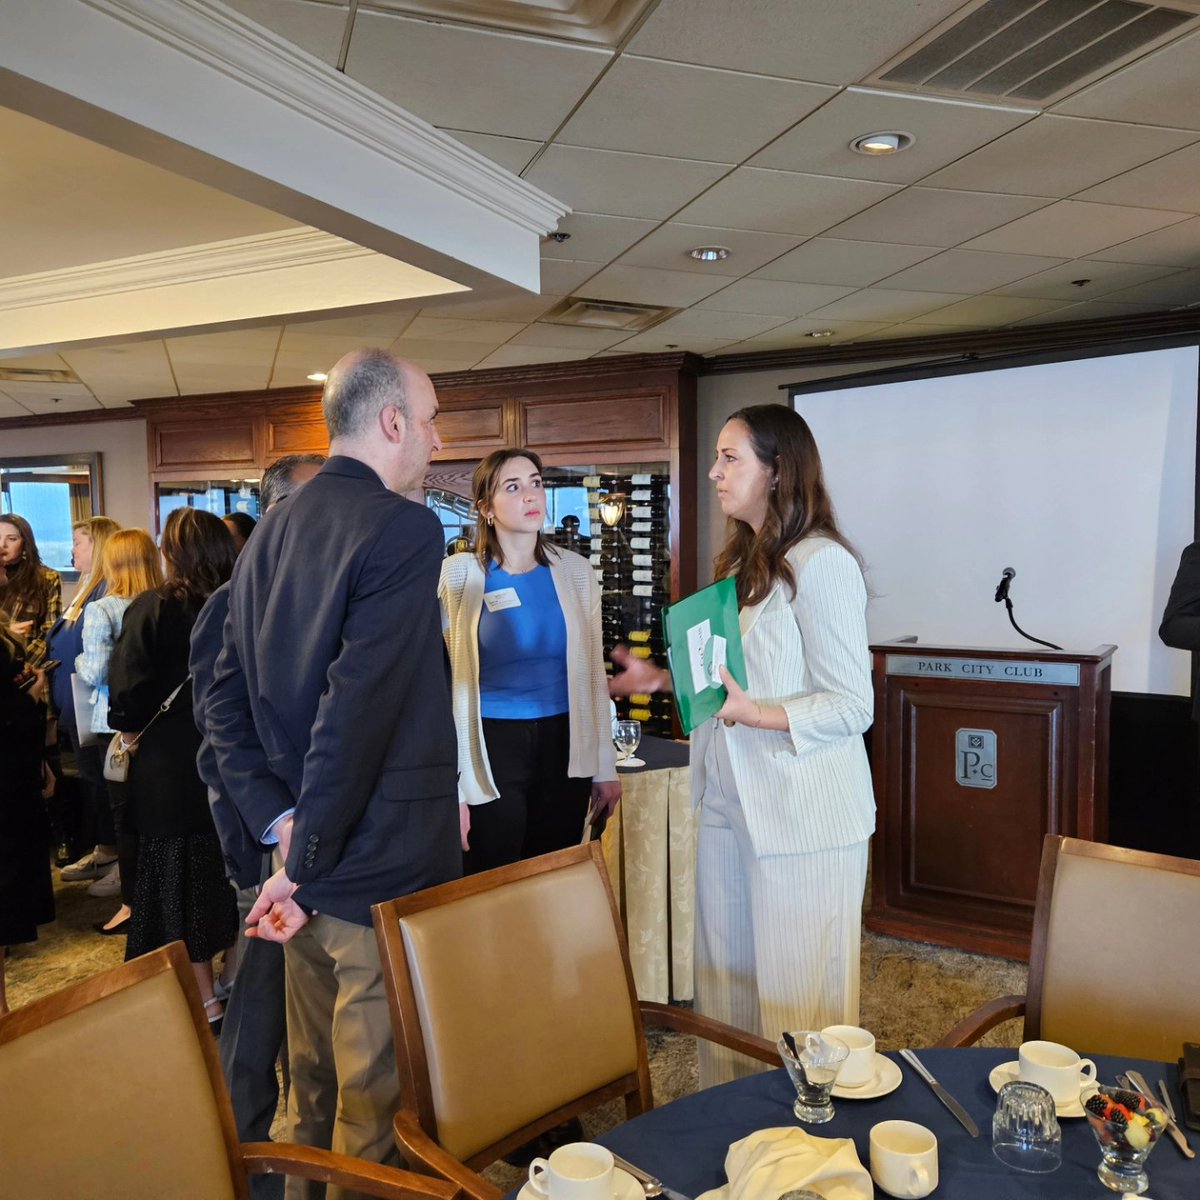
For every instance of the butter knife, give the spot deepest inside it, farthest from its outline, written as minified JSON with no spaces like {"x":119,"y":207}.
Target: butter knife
{"x":1140,"y":1085}
{"x":964,"y":1118}
{"x":650,"y":1185}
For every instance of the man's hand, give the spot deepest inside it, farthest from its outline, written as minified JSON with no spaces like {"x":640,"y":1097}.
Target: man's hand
{"x":276,"y":917}
{"x":636,"y":675}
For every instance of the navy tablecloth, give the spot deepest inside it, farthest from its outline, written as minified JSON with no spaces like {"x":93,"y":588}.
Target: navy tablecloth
{"x":684,"y":1143}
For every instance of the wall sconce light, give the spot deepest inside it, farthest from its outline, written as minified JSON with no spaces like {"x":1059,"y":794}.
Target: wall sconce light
{"x":612,"y":509}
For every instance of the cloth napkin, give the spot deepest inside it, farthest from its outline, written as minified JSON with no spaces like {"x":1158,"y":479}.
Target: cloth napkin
{"x":772,"y":1161}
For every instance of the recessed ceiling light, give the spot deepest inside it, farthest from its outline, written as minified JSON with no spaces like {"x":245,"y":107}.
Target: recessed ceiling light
{"x":709,"y":253}
{"x":820,"y":333}
{"x":318,"y":377}
{"x":891,"y":142}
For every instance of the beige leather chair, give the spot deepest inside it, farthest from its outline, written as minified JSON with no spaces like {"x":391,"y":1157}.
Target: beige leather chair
{"x":513,"y":1008}
{"x":1114,"y":966}
{"x":112,"y":1090}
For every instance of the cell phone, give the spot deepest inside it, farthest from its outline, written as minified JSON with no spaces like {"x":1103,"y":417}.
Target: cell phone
{"x":47,"y":666}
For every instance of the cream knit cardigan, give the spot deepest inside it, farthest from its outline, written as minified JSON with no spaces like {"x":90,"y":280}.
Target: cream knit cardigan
{"x":460,"y":591}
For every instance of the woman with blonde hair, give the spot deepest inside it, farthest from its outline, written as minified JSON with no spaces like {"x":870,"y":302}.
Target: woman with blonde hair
{"x":66,"y":643}
{"x":129,"y":565}
{"x":522,"y":624}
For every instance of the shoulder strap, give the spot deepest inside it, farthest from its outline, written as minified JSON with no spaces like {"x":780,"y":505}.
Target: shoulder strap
{"x":162,"y":708}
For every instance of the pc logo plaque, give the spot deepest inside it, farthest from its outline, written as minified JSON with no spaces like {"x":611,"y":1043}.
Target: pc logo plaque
{"x":975,"y":758}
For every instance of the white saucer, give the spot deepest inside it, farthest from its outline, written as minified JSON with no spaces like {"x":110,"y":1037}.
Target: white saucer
{"x":623,"y":763}
{"x":887,"y":1079}
{"x":1007,"y":1072}
{"x":625,"y":1187}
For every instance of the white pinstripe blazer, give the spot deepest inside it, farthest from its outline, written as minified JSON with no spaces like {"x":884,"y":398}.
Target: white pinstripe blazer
{"x":460,"y":591}
{"x":809,"y":788}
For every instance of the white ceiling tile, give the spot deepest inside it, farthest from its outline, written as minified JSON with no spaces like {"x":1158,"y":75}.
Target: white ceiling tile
{"x":518,"y":307}
{"x":131,"y":371}
{"x":201,"y":379}
{"x":470,"y":79}
{"x":669,"y":244}
{"x":236,"y":346}
{"x":876,"y":304}
{"x":1175,"y":246}
{"x":1181,"y":288}
{"x":35,"y":362}
{"x":698,"y":112}
{"x":1159,"y":89}
{"x":1172,"y":181}
{"x":63,"y":398}
{"x":379,"y":324}
{"x":322,"y":350}
{"x":513,"y":154}
{"x":1074,"y":229}
{"x":648,"y":285}
{"x":830,"y":43}
{"x":968,"y":271}
{"x":909,"y":330}
{"x":454,"y":329}
{"x":799,"y":333}
{"x":562,"y":278}
{"x":655,"y":342}
{"x":774,"y":296}
{"x":10,"y":408}
{"x":519,"y":356}
{"x":855,"y":264}
{"x":317,"y":28}
{"x":422,"y":349}
{"x":1096,"y":310}
{"x":1057,"y":156}
{"x":622,"y":185}
{"x":568,"y":337}
{"x":935,"y":217}
{"x":711,"y":323}
{"x":944,"y":130}
{"x":1061,"y":283}
{"x":991,"y":310}
{"x":782,"y":201}
{"x":595,"y":238}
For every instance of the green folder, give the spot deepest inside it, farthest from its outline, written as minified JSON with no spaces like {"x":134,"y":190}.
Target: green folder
{"x":702,"y":633}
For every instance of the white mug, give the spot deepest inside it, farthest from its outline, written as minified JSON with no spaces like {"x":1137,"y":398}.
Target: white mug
{"x":1056,"y":1068}
{"x":859,"y":1069}
{"x":577,"y":1171}
{"x":904,"y":1159}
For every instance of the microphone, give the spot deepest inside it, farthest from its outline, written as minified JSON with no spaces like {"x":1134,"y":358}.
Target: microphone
{"x":1006,"y":577}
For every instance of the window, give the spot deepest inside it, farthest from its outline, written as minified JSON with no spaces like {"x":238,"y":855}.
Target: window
{"x":53,"y":494}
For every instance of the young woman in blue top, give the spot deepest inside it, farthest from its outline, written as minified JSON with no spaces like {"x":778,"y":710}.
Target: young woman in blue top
{"x":522,"y":624}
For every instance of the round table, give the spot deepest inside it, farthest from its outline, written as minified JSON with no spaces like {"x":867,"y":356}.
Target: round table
{"x":684,"y":1142}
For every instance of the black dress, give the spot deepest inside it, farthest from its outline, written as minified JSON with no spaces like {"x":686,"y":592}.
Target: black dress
{"x":182,"y":892}
{"x":26,"y":888}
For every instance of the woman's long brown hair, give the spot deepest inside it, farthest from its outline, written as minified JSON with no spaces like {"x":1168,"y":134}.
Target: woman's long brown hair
{"x":26,"y":588}
{"x":798,"y":506}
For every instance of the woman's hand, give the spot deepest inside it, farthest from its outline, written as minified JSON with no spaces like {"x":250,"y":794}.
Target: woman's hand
{"x":740,"y":709}
{"x":637,"y":675}
{"x":606,"y":794}
{"x":464,"y":826}
{"x":21,"y":629}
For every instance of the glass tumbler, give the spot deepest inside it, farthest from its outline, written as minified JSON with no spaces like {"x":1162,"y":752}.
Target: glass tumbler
{"x":1025,"y":1130}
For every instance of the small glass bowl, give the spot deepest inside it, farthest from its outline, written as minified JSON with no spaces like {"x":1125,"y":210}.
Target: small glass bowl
{"x":1127,"y":1127}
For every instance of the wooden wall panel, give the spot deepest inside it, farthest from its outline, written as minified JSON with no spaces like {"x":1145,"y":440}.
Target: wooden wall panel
{"x":230,"y":443}
{"x":638,"y":421}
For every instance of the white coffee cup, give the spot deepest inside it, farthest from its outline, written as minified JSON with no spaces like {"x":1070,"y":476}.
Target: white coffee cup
{"x":859,"y":1069}
{"x":1056,"y":1068}
{"x":577,"y":1171}
{"x":904,"y":1159}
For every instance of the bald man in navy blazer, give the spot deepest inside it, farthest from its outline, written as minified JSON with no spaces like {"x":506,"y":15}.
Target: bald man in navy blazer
{"x":330,"y":718}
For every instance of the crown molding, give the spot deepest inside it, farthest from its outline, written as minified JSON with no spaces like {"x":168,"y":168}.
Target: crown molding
{"x":231,"y":44}
{"x":278,"y":250}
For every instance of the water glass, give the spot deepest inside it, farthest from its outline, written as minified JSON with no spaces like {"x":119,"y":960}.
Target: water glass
{"x":813,"y":1070}
{"x":1025,"y":1130}
{"x":627,"y":736}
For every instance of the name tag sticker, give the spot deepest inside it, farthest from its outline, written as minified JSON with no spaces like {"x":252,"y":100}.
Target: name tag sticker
{"x":501,"y":599}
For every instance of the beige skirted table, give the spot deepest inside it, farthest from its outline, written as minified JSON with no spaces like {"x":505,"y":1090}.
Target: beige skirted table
{"x":650,"y":848}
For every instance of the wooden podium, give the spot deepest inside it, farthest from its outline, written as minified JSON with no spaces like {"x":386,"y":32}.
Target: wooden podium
{"x":977,"y":754}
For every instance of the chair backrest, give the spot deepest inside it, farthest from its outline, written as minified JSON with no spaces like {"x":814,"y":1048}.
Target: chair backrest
{"x":112,"y":1089}
{"x":1115,"y":958}
{"x":512,"y":999}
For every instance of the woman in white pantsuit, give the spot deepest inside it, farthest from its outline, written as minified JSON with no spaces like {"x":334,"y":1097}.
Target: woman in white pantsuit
{"x":781,"y":777}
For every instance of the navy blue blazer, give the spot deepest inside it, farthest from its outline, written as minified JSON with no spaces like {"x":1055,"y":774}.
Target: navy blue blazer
{"x":331,"y":694}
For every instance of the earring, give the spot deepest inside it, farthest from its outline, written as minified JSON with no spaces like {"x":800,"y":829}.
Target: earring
{"x":489,"y":521}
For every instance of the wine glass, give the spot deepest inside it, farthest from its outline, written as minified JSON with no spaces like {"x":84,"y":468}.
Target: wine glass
{"x":627,"y":736}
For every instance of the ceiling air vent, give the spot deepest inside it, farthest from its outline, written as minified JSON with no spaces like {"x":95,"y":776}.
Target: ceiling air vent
{"x":605,"y":314}
{"x":1036,"y":50}
{"x":36,"y":375}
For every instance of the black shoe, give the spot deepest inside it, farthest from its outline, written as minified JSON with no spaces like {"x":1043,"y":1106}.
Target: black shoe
{"x":120,"y":928}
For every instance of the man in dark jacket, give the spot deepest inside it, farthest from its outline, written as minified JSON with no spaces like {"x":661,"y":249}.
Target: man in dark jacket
{"x":330,"y":717}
